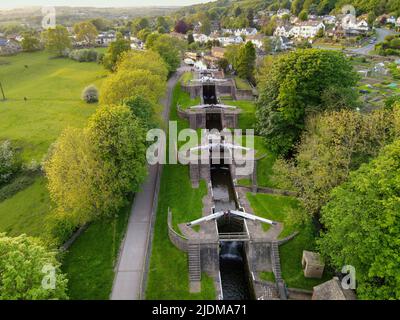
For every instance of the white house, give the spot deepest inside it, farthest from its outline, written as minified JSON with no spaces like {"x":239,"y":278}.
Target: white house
{"x":245,"y":32}
{"x":398,"y":22}
{"x":105,"y":38}
{"x":282,"y":31}
{"x":257,"y":40}
{"x":199,"y":37}
{"x":391,"y":20}
{"x":306,"y":29}
{"x":355,"y":26}
{"x":226,"y":41}
{"x":329,"y":19}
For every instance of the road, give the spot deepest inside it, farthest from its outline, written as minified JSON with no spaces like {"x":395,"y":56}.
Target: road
{"x":130,"y":271}
{"x":380,"y":35}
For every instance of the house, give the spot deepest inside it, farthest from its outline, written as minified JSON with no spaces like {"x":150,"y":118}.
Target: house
{"x":257,"y":40}
{"x":245,"y":32}
{"x":9,"y":46}
{"x":328,"y":19}
{"x":391,"y":20}
{"x":231,"y":40}
{"x":398,"y":22}
{"x":282,"y":12}
{"x":199,"y":37}
{"x":282,"y":31}
{"x":218,"y":52}
{"x":355,"y":27}
{"x":105,"y":38}
{"x":306,"y":29}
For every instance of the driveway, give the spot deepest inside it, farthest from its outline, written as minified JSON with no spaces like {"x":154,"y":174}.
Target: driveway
{"x":380,"y":35}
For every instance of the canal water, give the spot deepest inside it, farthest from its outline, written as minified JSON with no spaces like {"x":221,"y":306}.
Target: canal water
{"x":234,"y":275}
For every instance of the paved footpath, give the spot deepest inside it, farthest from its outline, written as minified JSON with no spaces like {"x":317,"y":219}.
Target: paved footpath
{"x":130,"y":271}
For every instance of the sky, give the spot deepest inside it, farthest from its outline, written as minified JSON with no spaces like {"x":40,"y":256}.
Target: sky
{"x":97,"y":3}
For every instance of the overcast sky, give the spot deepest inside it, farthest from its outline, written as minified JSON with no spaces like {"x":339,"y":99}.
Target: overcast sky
{"x":97,"y":3}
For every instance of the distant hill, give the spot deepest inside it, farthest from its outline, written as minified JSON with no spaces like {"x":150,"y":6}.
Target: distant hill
{"x":32,"y":16}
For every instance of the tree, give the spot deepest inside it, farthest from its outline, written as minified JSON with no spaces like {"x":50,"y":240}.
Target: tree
{"x":334,"y":144}
{"x":143,"y":34}
{"x":30,"y":42}
{"x":162,"y":23}
{"x":246,"y":61}
{"x":115,"y":49}
{"x":91,"y":171}
{"x":250,"y":17}
{"x":119,"y":141}
{"x":128,"y":83}
{"x":140,"y":24}
{"x":303,"y":15}
{"x":205,"y":27}
{"x":145,"y":60}
{"x":143,"y":109}
{"x":76,"y":181}
{"x":292,"y":87}
{"x":363,"y":226}
{"x":24,"y":265}
{"x":190,"y":38}
{"x":86,"y":32}
{"x":232,"y":55}
{"x":181,"y":27}
{"x":8,"y":161}
{"x":57,"y":40}
{"x":101,"y":24}
{"x":170,"y":49}
{"x":297,"y":6}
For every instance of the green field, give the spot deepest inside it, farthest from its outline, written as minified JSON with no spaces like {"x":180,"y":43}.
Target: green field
{"x":282,"y":209}
{"x":52,"y":88}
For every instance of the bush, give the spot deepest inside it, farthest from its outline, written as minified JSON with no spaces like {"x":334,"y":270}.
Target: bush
{"x":84,"y":55}
{"x":60,"y":228}
{"x":90,"y":94}
{"x":8,"y":162}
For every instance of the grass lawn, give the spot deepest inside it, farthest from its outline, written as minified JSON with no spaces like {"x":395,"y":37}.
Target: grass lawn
{"x":279,"y":208}
{"x":89,"y":263}
{"x":168,"y":274}
{"x":247,"y":117}
{"x":26,"y":211}
{"x":53,"y":88}
{"x":183,"y":98}
{"x":242,"y":84}
{"x":186,"y":77}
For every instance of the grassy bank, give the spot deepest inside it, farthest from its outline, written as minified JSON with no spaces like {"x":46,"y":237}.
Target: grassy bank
{"x":89,"y":263}
{"x":282,"y":209}
{"x":168,"y":274}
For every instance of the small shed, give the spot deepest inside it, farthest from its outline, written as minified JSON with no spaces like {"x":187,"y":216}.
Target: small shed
{"x":332,"y":290}
{"x":312,"y":264}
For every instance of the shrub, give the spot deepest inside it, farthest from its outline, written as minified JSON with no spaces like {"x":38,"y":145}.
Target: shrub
{"x":84,"y":55}
{"x":25,"y":265}
{"x":90,"y":94}
{"x":8,"y":162}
